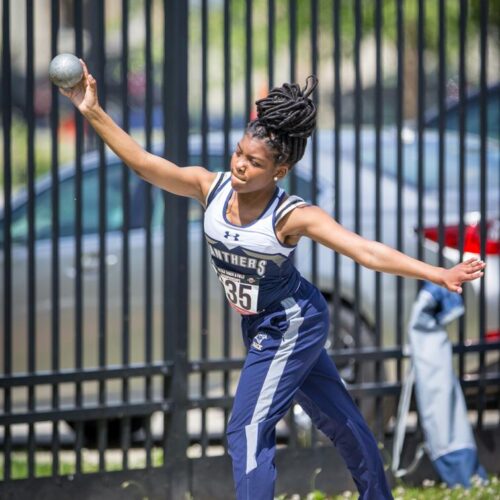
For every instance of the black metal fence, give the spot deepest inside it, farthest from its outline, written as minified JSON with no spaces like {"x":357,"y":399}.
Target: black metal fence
{"x":119,"y":354}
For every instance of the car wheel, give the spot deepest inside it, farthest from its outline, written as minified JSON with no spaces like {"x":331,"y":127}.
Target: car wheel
{"x":114,"y":426}
{"x":354,"y":372}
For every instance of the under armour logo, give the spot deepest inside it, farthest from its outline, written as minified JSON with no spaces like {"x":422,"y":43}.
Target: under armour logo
{"x":235,"y":236}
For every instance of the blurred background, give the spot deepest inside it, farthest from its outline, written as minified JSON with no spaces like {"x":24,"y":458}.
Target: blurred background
{"x":115,"y":339}
{"x":260,"y":47}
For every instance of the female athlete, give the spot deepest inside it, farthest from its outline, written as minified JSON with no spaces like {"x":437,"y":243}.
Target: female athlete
{"x":252,"y":228}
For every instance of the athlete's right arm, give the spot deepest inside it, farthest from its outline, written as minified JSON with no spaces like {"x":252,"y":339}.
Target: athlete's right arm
{"x":194,"y":182}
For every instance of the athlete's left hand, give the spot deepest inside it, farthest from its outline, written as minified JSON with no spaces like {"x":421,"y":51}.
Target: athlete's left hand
{"x":469,"y":270}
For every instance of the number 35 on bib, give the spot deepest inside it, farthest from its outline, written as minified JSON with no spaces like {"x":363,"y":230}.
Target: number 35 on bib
{"x":242,"y":296}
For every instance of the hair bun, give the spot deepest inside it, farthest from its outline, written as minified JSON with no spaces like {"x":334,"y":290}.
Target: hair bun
{"x":289,"y":109}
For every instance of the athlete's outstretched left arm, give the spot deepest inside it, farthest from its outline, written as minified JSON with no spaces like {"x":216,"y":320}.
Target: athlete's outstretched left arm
{"x":315,"y":223}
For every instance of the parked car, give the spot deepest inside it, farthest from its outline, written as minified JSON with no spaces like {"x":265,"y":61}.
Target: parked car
{"x":351,"y":371}
{"x":473,"y":114}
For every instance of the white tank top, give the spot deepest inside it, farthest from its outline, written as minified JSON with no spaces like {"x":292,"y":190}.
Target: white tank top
{"x":254,"y":267}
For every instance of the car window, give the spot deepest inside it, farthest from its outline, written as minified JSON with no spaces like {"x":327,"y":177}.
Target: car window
{"x":473,"y":115}
{"x":195,"y":212}
{"x":215,"y":161}
{"x":43,"y":214}
{"x":431,"y":162}
{"x":114,"y":210}
{"x":90,"y":204}
{"x":303,"y":186}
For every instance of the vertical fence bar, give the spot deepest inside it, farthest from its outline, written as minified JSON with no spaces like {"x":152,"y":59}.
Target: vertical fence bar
{"x":101,"y":82}
{"x":400,"y":167}
{"x":357,"y":165}
{"x":248,"y":59}
{"x":314,"y":137}
{"x":204,"y":254}
{"x":462,"y":109}
{"x":125,"y":422}
{"x":7,"y":247}
{"x":30,"y":120}
{"x":227,"y":146}
{"x":292,"y":26}
{"x":270,"y":43}
{"x":175,"y":262}
{"x":54,"y":124}
{"x":292,"y":175}
{"x":378,"y":222}
{"x":483,"y":134}
{"x":420,"y":128}
{"x":337,"y":103}
{"x":148,"y":253}
{"x":441,"y":126}
{"x":78,"y":22}
{"x":314,"y":156}
{"x":168,"y":230}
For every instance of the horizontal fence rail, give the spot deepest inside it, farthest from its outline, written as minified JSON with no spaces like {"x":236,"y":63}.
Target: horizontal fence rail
{"x":118,"y":349}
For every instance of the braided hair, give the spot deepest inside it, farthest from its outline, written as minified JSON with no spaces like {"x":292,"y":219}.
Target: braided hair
{"x":285,"y":119}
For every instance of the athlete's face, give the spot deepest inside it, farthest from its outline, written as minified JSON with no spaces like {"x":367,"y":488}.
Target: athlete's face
{"x":253,"y":166}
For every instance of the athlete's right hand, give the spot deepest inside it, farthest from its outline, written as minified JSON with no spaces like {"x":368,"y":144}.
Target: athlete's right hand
{"x":84,"y":94}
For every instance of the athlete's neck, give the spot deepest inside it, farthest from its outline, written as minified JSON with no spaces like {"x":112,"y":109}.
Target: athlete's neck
{"x":246,"y":207}
{"x":255,"y":199}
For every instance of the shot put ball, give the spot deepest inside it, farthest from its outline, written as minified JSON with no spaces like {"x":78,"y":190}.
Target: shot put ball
{"x":65,"y":71}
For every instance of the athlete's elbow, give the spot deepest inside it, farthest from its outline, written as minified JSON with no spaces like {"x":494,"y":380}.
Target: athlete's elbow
{"x":143,"y":162}
{"x":370,"y":256}
{"x":140,"y":165}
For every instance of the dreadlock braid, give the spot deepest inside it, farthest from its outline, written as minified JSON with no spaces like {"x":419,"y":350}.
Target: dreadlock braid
{"x":285,"y":119}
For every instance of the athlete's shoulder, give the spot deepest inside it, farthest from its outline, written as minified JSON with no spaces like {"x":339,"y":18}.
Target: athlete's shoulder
{"x":297,"y":222}
{"x":218,"y":181}
{"x":287,"y":204}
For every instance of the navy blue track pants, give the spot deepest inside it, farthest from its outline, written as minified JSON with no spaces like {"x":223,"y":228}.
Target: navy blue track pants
{"x":286,"y":359}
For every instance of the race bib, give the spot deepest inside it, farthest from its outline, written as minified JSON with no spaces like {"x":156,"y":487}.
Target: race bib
{"x":242,"y":291}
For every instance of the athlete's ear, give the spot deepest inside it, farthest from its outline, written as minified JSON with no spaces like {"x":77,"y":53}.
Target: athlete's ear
{"x":281,"y":171}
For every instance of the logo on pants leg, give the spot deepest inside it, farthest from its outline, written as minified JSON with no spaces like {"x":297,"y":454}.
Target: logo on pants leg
{"x":257,"y":341}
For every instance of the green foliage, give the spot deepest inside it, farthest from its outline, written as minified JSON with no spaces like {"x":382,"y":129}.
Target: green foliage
{"x":316,"y":495}
{"x":42,"y":152}
{"x":409,"y":10}
{"x":431,"y":491}
{"x":67,"y":465}
{"x":428,"y":491}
